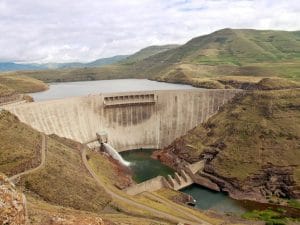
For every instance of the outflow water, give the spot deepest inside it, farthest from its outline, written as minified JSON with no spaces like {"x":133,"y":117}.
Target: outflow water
{"x":143,"y":166}
{"x":113,"y":153}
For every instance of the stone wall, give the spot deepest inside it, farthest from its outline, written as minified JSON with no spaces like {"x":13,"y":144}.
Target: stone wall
{"x":153,"y":184}
{"x":154,"y":120}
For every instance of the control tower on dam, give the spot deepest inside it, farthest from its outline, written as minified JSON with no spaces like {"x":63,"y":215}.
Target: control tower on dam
{"x":148,"y":119}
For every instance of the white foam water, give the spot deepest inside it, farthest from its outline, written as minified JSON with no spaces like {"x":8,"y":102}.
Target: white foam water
{"x":113,"y":153}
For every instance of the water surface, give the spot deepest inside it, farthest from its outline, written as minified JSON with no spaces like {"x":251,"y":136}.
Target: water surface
{"x":217,"y":201}
{"x":83,"y":88}
{"x":143,"y":166}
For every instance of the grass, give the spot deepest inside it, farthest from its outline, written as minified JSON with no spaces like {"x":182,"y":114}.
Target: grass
{"x":65,"y":181}
{"x":269,"y":216}
{"x":20,"y":145}
{"x":114,"y":175}
{"x":41,"y":212}
{"x":6,"y":91}
{"x":22,"y":84}
{"x":294,"y":203}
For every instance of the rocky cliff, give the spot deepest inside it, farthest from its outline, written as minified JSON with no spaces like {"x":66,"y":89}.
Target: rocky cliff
{"x":12,"y":203}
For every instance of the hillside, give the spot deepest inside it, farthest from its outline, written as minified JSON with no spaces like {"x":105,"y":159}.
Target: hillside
{"x":147,"y":52}
{"x":252,"y":145}
{"x":231,"y":52}
{"x":227,"y":52}
{"x":22,"y":84}
{"x":20,"y":145}
{"x":6,"y":91}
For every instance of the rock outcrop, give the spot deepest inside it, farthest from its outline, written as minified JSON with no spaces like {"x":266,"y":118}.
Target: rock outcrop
{"x":251,"y":147}
{"x":72,"y":220}
{"x":12,"y":203}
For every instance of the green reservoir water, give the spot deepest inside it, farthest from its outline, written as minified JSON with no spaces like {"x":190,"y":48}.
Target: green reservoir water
{"x":217,"y":201}
{"x":143,"y":166}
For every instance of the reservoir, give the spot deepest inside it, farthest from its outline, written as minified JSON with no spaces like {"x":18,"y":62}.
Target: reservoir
{"x":83,"y":88}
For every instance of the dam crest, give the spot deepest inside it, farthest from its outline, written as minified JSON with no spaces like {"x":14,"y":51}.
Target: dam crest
{"x":132,"y":120}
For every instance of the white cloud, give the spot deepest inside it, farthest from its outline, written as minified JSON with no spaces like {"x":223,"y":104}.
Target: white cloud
{"x":68,"y":30}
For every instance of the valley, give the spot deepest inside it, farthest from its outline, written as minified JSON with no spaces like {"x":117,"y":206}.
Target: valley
{"x":229,"y":99}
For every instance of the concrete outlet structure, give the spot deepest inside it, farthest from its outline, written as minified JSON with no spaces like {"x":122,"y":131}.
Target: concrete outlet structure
{"x":151,"y":119}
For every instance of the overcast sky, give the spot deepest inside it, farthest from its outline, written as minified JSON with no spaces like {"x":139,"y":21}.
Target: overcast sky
{"x":73,"y":30}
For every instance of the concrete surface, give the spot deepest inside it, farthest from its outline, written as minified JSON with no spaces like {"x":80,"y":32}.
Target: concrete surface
{"x":151,"y":119}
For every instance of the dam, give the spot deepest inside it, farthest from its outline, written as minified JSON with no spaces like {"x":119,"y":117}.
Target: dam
{"x":132,"y":120}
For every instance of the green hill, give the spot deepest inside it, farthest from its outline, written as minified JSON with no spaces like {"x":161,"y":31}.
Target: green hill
{"x":231,"y":52}
{"x":227,"y":52}
{"x":147,"y":52}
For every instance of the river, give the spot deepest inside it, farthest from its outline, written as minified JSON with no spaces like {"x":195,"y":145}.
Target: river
{"x":144,"y":167}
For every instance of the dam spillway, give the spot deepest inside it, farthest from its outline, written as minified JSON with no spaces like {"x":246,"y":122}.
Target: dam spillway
{"x":132,"y":120}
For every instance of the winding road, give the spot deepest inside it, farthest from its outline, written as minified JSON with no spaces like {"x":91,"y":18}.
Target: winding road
{"x":42,"y":164}
{"x":190,"y":219}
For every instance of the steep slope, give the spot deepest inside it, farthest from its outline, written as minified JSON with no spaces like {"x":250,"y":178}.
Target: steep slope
{"x":251,"y":147}
{"x":232,"y":52}
{"x":20,"y":145}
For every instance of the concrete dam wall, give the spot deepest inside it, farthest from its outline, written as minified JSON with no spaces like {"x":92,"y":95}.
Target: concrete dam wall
{"x":132,"y":120}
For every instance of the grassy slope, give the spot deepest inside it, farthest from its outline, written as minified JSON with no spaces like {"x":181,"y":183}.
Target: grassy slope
{"x":64,"y":180}
{"x":22,"y":84}
{"x":261,"y":128}
{"x":19,"y":147}
{"x":4,"y":91}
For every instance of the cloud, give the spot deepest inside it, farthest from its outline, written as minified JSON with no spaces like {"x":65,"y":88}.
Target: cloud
{"x":66,"y":30}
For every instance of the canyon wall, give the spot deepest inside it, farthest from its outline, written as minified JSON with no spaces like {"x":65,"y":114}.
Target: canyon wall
{"x":132,"y":120}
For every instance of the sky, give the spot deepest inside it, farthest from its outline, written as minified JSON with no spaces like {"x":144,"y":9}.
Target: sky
{"x":43,"y":31}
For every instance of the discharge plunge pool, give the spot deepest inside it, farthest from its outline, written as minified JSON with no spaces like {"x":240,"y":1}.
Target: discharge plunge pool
{"x":144,"y":167}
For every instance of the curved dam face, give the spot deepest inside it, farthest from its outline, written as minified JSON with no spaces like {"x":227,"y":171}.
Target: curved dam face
{"x":132,"y":120}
